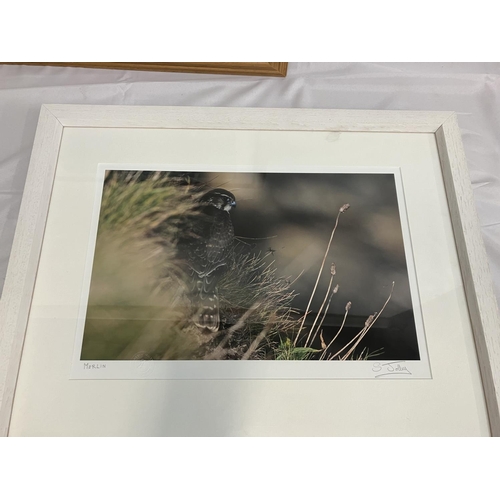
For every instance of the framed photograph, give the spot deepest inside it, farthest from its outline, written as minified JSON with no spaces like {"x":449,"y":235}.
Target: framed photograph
{"x":191,"y":265}
{"x":199,"y":261}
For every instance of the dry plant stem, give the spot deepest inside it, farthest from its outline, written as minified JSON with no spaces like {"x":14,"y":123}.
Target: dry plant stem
{"x":219,"y":350}
{"x":319,"y":312}
{"x":359,"y":338}
{"x":255,"y":344}
{"x":335,"y":337}
{"x":322,"y":319}
{"x":370,"y":325}
{"x":300,"y":274}
{"x":319,"y":276}
{"x":361,"y":332}
{"x":313,"y":338}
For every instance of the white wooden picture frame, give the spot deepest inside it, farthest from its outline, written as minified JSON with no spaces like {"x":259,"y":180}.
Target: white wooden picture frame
{"x":56,"y":119}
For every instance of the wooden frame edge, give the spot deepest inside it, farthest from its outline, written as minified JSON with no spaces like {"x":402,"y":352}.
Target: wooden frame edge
{"x":23,"y":263}
{"x":21,"y":273}
{"x":225,"y":118}
{"x":478,"y":283}
{"x":278,"y":69}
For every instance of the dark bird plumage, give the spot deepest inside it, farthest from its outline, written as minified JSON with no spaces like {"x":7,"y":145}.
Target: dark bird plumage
{"x":206,"y":247}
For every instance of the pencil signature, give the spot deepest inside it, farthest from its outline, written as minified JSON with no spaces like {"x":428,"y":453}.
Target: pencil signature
{"x":390,"y":368}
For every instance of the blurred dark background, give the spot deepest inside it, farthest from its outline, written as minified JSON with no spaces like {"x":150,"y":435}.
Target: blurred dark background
{"x":291,"y":217}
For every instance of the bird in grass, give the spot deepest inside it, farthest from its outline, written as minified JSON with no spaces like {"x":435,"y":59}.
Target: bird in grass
{"x":206,"y":248}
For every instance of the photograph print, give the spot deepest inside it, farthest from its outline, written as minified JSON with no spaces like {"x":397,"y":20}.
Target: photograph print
{"x":261,"y":266}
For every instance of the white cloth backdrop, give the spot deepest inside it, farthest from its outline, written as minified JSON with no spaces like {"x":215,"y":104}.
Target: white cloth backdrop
{"x":470,"y":89}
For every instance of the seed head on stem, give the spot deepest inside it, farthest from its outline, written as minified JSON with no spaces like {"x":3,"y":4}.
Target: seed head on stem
{"x":342,"y":209}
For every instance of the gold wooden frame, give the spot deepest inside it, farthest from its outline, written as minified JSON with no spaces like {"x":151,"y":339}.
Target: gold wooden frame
{"x":222,"y":68}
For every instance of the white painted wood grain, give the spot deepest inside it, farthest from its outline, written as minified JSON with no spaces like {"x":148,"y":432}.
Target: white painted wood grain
{"x":23,"y":263}
{"x":337,"y":120}
{"x":483,"y":308}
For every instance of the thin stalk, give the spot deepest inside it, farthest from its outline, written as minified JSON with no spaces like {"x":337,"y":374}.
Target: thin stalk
{"x":347,"y":307}
{"x":342,"y":209}
{"x":255,"y":344}
{"x":350,"y":342}
{"x":359,"y":337}
{"x":320,"y":309}
{"x":313,"y":339}
{"x":300,"y":274}
{"x":324,"y":314}
{"x":371,"y":324}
